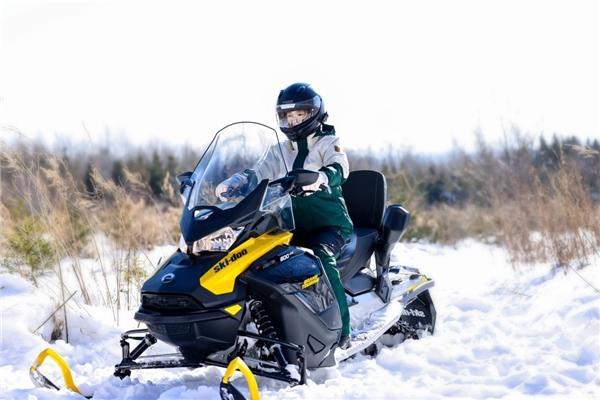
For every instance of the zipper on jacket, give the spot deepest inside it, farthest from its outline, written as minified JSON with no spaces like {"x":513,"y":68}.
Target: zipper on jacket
{"x":302,"y":154}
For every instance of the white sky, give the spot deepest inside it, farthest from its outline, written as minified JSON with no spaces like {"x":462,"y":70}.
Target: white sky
{"x":423,"y":74}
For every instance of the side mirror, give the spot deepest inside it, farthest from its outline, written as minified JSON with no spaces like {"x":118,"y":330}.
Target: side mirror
{"x":183,"y":180}
{"x":184,"y":177}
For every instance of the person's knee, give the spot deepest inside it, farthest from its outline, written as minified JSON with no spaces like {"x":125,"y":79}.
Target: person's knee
{"x":325,"y":250}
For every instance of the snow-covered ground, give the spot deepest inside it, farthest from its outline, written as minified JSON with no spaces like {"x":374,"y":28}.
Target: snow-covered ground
{"x":501,"y":333}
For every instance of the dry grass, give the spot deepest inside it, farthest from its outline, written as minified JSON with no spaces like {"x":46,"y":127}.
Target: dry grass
{"x":562,"y":213}
{"x":135,"y":223}
{"x":449,"y":225}
{"x":537,"y":217}
{"x":550,"y":217}
{"x":42,"y":190}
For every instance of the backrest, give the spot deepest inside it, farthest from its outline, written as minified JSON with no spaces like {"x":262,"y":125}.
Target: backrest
{"x":365,"y":194}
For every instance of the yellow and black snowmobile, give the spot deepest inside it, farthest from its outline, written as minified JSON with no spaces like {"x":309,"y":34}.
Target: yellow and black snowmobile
{"x":239,"y":294}
{"x":238,"y":288}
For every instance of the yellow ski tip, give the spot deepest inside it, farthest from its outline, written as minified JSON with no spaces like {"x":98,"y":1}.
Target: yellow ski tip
{"x":41,"y":381}
{"x":228,"y":391}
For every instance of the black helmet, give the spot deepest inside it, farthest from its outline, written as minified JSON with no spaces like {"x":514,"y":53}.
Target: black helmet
{"x":300,"y":111}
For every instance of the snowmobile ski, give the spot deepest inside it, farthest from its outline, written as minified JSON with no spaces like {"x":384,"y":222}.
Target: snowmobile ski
{"x":228,"y":391}
{"x":40,"y":380}
{"x":133,"y":360}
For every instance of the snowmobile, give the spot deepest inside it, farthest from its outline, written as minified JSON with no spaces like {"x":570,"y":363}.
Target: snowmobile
{"x":239,"y":294}
{"x":240,"y":288}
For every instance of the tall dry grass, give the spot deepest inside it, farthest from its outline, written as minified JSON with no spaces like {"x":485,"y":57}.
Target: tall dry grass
{"x":40,"y":190}
{"x":129,"y":216}
{"x":538,"y":214}
{"x":52,"y":222}
{"x":553,"y":220}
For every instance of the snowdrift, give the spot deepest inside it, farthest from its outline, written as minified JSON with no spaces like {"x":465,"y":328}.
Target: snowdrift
{"x":501,"y":333}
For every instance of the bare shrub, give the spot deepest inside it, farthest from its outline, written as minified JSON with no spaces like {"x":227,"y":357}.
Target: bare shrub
{"x":568,"y":219}
{"x":129,"y":215}
{"x":134,"y":222}
{"x":539,"y":206}
{"x":50,"y":219}
{"x":548,"y":216}
{"x":49,"y":194}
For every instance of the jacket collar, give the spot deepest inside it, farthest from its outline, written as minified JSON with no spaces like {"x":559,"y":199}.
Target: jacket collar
{"x":310,"y":140}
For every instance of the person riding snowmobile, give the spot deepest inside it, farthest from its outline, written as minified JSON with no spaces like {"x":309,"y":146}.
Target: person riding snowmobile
{"x":322,"y":220}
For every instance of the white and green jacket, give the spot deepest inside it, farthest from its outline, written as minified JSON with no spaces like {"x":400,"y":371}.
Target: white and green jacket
{"x":320,"y":151}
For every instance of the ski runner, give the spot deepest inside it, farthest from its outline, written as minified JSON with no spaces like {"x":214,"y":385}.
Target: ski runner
{"x":322,"y":220}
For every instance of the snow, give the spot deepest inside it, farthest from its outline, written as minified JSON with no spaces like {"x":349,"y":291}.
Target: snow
{"x":502,"y":332}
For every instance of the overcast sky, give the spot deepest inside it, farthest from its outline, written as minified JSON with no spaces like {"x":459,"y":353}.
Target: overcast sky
{"x":423,"y":74}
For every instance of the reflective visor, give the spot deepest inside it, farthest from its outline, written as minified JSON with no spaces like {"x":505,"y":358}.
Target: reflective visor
{"x":293,"y":114}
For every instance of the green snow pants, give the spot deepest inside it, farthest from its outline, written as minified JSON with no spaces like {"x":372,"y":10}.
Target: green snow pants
{"x":327,"y":244}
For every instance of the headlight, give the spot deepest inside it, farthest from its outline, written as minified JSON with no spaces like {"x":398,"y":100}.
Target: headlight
{"x":166,"y":302}
{"x":221,"y":240}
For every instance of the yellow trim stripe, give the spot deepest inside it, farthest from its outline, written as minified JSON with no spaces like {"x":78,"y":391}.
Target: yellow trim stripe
{"x":423,"y":280}
{"x":220,"y":278}
{"x":232,"y":310}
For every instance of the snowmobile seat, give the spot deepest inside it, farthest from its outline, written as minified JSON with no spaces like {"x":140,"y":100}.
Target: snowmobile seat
{"x":365,"y":195}
{"x":357,"y":252}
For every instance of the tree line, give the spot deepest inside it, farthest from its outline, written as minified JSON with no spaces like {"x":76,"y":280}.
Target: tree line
{"x":449,"y":179}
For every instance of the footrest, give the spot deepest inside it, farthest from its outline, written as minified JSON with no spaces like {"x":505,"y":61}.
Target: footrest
{"x":371,"y":330}
{"x":359,"y":284}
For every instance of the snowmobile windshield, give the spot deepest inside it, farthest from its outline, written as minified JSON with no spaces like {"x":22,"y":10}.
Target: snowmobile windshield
{"x":239,"y":157}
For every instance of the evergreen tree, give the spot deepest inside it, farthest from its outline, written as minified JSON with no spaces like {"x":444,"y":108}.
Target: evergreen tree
{"x":434,"y":186}
{"x":118,"y":172}
{"x":555,"y":154}
{"x":88,"y":180}
{"x":172,"y":165}
{"x":541,"y":157}
{"x":156,"y":175}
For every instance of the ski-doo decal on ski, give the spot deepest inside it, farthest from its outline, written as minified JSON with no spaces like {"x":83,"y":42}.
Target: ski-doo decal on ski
{"x":220,"y":279}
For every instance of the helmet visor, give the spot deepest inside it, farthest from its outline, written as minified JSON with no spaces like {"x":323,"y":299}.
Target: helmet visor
{"x":290,"y":115}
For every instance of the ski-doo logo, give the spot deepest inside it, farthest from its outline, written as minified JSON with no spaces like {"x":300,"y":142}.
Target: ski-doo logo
{"x":413,"y":312}
{"x":228,"y":260}
{"x":310,"y":281}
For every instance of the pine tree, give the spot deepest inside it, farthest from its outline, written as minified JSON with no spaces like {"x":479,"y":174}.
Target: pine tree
{"x":156,"y":175}
{"x":88,"y":180}
{"x":118,"y":172}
